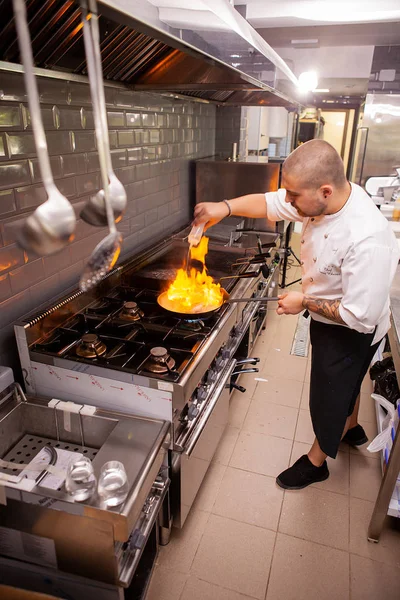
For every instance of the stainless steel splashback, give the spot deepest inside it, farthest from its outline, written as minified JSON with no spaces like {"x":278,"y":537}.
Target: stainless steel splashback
{"x":378,"y":143}
{"x":217,"y":180}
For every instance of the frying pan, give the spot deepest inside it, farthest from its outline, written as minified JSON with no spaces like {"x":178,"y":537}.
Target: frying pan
{"x":168,"y":305}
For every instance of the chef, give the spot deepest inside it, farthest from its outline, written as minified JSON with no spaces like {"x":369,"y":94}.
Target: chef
{"x":349,"y":255}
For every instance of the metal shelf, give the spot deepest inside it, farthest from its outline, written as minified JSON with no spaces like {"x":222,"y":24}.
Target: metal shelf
{"x":394,"y":504}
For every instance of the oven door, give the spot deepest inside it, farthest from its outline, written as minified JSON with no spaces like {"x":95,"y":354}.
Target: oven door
{"x":190,"y":464}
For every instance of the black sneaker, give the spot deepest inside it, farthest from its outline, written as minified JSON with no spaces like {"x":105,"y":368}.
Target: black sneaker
{"x":302,"y":474}
{"x":355,"y":436}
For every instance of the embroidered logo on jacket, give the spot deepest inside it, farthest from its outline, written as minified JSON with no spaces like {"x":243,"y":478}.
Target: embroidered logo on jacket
{"x":330,"y":270}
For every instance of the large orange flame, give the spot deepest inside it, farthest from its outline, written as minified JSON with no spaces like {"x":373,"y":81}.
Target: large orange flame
{"x":196,"y":291}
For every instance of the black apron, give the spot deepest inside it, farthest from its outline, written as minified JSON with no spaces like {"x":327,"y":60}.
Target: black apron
{"x":339,"y":362}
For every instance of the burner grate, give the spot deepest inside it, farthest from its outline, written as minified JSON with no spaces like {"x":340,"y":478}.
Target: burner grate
{"x":128,"y":322}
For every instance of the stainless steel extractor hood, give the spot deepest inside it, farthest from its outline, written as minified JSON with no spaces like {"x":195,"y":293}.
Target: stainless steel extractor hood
{"x":141,"y":51}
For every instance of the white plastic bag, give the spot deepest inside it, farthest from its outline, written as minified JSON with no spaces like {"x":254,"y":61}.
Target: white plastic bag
{"x":384,"y":439}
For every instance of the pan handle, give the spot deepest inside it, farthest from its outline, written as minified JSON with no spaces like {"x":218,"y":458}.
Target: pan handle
{"x":255,"y":299}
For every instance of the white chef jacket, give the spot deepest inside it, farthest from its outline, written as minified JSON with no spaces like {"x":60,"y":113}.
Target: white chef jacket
{"x":352,"y":255}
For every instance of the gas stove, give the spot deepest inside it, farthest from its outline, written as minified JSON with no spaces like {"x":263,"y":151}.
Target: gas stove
{"x":117,"y":349}
{"x":116,"y":333}
{"x":124,"y":331}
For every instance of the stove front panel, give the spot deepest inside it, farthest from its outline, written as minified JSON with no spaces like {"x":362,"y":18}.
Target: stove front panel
{"x":129,"y":398}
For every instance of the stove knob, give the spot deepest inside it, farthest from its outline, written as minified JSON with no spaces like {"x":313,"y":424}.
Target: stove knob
{"x":137,"y":540}
{"x":237,"y":331}
{"x":193,"y":411}
{"x":219,"y":363}
{"x":201,"y":394}
{"x":211,"y":376}
{"x":226,"y":353}
{"x":265,"y":270}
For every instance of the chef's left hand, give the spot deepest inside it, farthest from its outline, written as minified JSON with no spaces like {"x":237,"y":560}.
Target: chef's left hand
{"x":290,"y":303}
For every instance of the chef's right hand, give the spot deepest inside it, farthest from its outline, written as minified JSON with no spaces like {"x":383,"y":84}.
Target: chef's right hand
{"x":210,"y":213}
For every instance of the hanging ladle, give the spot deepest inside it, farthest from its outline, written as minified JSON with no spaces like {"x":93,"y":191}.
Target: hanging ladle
{"x":106,"y":253}
{"x":52,"y":224}
{"x":95,"y":212}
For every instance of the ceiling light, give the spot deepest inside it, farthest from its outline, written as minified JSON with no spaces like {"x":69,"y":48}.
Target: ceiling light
{"x":321,"y":91}
{"x":310,"y":41}
{"x":308,"y":81}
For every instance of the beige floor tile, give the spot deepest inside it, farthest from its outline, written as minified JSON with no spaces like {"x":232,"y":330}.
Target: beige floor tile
{"x":181,"y":550}
{"x":273,"y":316}
{"x":371,"y":580}
{"x":249,"y":381}
{"x":297,"y":287}
{"x":209,"y":488}
{"x":235,"y":555}
{"x":285,"y":392}
{"x":287,"y":324}
{"x":307,"y":374}
{"x":260,"y":453}
{"x":280,"y":348}
{"x":367,"y":385}
{"x":316,"y":515}
{"x":271,"y":419}
{"x":304,"y":430}
{"x":250,"y":498}
{"x":339,"y":468}
{"x":367,"y":409}
{"x":305,"y":433}
{"x":166,"y":584}
{"x":387,"y":550}
{"x":371,"y":431}
{"x":283,"y":339}
{"x":197,"y":589}
{"x":305,"y":396}
{"x":303,"y":570}
{"x":284,"y":367}
{"x":266,"y":339}
{"x":224,"y":451}
{"x":365,"y":477}
{"x":238,"y":407}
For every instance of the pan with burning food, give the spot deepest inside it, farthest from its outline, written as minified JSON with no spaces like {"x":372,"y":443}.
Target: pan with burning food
{"x":202,"y":309}
{"x":194,"y":293}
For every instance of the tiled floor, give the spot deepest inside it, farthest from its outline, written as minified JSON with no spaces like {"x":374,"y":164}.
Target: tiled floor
{"x":246,"y":538}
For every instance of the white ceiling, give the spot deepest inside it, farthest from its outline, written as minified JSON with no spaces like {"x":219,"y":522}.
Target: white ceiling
{"x":303,"y":33}
{"x":335,"y":39}
{"x":298,"y":13}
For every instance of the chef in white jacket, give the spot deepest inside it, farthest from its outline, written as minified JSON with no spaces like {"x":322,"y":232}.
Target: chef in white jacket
{"x":349,"y":255}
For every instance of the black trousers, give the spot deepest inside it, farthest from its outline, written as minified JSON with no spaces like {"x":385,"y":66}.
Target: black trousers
{"x":339,"y":362}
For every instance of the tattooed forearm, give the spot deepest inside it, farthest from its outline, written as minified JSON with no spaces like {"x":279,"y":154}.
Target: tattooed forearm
{"x":326,"y":308}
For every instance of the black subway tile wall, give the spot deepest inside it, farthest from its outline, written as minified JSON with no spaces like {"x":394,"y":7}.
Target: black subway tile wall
{"x":153,"y":140}
{"x":231,"y":127}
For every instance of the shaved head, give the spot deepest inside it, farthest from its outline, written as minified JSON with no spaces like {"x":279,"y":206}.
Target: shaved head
{"x":314,"y":180}
{"x":314,"y":164}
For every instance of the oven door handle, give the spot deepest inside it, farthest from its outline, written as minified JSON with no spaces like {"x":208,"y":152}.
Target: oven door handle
{"x":209,"y":408}
{"x":133,"y":556}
